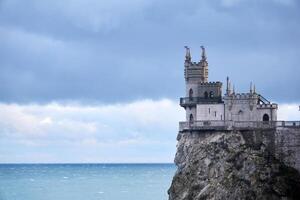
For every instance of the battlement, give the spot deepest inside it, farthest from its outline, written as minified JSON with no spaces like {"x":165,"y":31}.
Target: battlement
{"x":217,"y":83}
{"x":193,"y":64}
{"x":241,"y":96}
{"x":195,"y":71}
{"x":268,"y":106}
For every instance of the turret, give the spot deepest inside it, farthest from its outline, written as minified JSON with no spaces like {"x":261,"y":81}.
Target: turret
{"x":203,"y":55}
{"x":188,"y":57}
{"x":228,"y":87}
{"x":198,"y":89}
{"x":195,"y":72}
{"x":204,"y":64}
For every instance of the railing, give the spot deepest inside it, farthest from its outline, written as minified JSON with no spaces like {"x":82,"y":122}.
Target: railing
{"x":195,"y":125}
{"x":229,"y":125}
{"x":288,"y":123}
{"x":194,"y":100}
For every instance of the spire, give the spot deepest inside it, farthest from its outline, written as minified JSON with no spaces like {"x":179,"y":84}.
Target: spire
{"x":203,"y":53}
{"x":251,"y":90}
{"x":233,"y":89}
{"x":187,"y":54}
{"x":227,"y":86}
{"x":254,"y":90}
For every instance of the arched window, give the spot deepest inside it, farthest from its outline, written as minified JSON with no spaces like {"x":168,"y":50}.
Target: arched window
{"x":266,"y":118}
{"x":205,"y":95}
{"x":191,"y":118}
{"x":191,"y":93}
{"x":211,"y":94}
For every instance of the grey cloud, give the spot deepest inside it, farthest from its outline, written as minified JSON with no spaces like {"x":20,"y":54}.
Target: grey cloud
{"x":120,"y":51}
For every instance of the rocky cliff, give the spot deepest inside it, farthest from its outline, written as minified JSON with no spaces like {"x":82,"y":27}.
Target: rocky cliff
{"x":232,"y":165}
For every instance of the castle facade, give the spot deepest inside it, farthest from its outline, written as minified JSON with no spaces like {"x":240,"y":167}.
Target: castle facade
{"x":204,"y":102}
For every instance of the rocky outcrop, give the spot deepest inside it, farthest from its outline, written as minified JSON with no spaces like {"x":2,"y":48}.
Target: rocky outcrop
{"x":231,"y":165}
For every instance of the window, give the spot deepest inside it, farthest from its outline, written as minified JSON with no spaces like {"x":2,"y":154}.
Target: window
{"x":191,"y":93}
{"x":215,"y":113}
{"x":191,"y":118}
{"x":205,"y":95}
{"x":211,"y":94}
{"x":208,"y":110}
{"x":266,"y":118}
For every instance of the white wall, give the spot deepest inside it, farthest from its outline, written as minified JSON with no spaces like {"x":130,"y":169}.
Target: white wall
{"x":240,"y":111}
{"x":210,"y":112}
{"x":189,"y":111}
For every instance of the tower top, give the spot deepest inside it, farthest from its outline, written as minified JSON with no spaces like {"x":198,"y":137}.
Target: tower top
{"x":187,"y":54}
{"x":203,"y":56}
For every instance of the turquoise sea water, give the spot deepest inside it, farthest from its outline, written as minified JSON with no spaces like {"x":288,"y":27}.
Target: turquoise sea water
{"x":85,"y":181}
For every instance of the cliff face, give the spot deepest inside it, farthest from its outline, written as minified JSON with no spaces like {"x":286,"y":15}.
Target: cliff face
{"x":232,"y":165}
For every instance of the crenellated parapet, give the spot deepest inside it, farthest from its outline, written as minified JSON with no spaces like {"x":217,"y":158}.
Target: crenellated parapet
{"x":267,"y":106}
{"x":241,"y":96}
{"x":212,"y":83}
{"x":195,"y":71}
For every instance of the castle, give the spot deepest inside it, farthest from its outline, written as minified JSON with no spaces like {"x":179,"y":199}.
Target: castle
{"x":232,"y":146}
{"x":207,"y":108}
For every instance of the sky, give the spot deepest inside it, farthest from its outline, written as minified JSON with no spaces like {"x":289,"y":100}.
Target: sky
{"x":99,"y":81}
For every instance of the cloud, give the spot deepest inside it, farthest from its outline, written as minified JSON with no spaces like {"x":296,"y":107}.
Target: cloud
{"x":121,"y":51}
{"x":95,"y":129}
{"x":289,"y":112}
{"x":89,"y":15}
{"x":140,"y":131}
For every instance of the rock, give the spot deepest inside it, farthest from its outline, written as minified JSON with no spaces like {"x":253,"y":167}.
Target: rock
{"x":230,"y":165}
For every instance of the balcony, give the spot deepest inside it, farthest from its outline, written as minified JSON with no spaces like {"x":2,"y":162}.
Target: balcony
{"x":191,"y":101}
{"x":235,"y":125}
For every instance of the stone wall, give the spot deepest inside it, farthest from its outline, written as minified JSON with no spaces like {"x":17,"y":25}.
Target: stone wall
{"x":287,"y":146}
{"x":283,"y":143}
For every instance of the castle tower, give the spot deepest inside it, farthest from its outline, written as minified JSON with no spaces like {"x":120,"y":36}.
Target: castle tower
{"x":198,"y":89}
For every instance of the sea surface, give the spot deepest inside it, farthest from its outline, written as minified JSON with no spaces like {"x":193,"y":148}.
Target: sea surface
{"x":85,"y":181}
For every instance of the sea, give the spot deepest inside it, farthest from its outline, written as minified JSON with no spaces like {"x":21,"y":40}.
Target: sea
{"x":85,"y":181}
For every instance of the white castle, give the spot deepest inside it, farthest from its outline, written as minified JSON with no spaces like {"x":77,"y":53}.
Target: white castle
{"x":205,"y":104}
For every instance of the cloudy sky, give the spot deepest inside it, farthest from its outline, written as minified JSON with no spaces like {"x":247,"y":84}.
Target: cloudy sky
{"x":99,"y":81}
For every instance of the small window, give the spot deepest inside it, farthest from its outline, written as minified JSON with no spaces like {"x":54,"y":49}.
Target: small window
{"x":191,"y":93}
{"x":211,"y":94}
{"x":191,"y":118}
{"x":266,"y":118}
{"x":205,"y":95}
{"x":215,"y":113}
{"x":208,"y":110}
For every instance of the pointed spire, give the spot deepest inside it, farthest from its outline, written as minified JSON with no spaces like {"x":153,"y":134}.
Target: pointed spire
{"x":187,"y":54}
{"x":227,"y":86}
{"x":233,"y":89}
{"x":203,"y":53}
{"x":254,"y":90}
{"x":251,"y":90}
